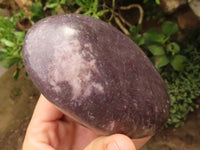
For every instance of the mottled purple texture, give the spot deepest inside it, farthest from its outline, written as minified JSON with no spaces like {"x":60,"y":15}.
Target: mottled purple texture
{"x":96,"y":75}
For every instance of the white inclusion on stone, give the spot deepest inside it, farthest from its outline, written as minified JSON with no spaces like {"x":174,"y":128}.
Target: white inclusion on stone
{"x":70,"y":65}
{"x":55,"y":86}
{"x":156,"y":108}
{"x":91,"y":116}
{"x":111,"y":125}
{"x":69,"y":31}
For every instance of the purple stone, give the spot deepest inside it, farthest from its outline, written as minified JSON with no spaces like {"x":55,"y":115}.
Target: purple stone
{"x":96,"y":75}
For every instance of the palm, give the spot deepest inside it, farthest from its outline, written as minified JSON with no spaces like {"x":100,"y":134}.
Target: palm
{"x":67,"y":135}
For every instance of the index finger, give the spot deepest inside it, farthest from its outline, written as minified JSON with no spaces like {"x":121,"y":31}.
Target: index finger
{"x":45,"y":111}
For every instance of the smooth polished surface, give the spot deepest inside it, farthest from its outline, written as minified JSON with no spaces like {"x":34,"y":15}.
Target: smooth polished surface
{"x":96,"y":75}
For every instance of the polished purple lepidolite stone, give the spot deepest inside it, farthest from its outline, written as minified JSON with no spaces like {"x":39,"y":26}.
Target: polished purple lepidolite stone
{"x":96,"y":75}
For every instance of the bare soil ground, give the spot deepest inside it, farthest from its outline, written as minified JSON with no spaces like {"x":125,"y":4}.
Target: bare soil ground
{"x":183,"y":138}
{"x":17,"y":101}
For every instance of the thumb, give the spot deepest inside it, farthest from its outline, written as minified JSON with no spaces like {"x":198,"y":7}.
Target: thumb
{"x":112,"y":142}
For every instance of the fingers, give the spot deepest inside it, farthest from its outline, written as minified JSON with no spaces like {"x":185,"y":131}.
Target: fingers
{"x":113,"y":142}
{"x":46,"y":111}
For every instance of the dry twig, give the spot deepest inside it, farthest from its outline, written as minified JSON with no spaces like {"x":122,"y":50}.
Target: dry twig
{"x":78,"y":10}
{"x":121,"y":26}
{"x":135,"y":6}
{"x":119,"y":19}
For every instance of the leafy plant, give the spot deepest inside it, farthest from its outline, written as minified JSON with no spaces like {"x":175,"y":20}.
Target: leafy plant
{"x":40,"y":8}
{"x":11,"y":41}
{"x":178,"y":66}
{"x":37,"y":11}
{"x":56,"y":6}
{"x":162,"y":50}
{"x":90,"y":7}
{"x":87,"y":7}
{"x":184,"y":87}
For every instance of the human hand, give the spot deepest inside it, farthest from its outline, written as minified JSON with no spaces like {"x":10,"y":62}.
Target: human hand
{"x":50,"y":129}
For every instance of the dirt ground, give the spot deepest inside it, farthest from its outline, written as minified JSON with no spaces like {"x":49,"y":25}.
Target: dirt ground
{"x":184,"y":138}
{"x":17,"y":101}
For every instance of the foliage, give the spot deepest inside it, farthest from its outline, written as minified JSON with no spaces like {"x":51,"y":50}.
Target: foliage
{"x":37,"y":11}
{"x":178,"y":66}
{"x":41,"y":9}
{"x":38,"y":8}
{"x":151,"y":10}
{"x":11,"y":41}
{"x":162,"y":50}
{"x":90,"y":7}
{"x":184,"y":87}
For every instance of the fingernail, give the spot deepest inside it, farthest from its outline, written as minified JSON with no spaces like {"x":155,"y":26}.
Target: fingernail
{"x":112,"y":146}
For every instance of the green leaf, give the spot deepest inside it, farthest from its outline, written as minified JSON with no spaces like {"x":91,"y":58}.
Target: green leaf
{"x":102,"y":12}
{"x":177,"y":62}
{"x":16,"y":74}
{"x":19,"y":34}
{"x":141,"y":41}
{"x":37,"y":12}
{"x":169,"y":28}
{"x":83,"y":3}
{"x":138,"y":39}
{"x":6,"y":63}
{"x":136,"y":29}
{"x":95,"y":16}
{"x":7,"y":43}
{"x":52,"y":5}
{"x":157,"y":2}
{"x":64,"y":2}
{"x":156,"y":50}
{"x":173,"y":48}
{"x":152,"y":31}
{"x":95,"y":5}
{"x":151,"y":37}
{"x":160,"y":61}
{"x":3,"y":50}
{"x":189,"y":48}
